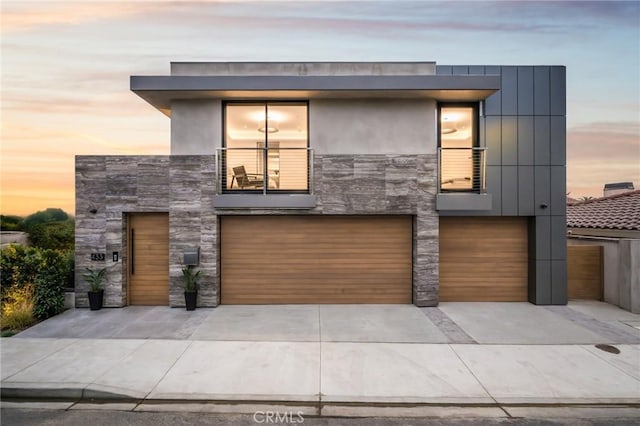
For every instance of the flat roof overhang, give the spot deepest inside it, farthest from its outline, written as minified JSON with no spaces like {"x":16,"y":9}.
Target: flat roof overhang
{"x":159,"y":91}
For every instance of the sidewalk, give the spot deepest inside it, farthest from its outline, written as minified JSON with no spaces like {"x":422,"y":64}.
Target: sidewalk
{"x":480,"y":356}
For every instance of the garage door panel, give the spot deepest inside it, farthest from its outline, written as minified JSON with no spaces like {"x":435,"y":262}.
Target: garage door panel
{"x":316,"y":259}
{"x":483,"y":259}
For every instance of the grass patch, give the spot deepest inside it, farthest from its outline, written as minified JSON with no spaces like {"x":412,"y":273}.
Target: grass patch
{"x":16,"y":313}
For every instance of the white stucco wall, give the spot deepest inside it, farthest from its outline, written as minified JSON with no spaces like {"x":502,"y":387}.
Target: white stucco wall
{"x":336,"y":126}
{"x":372,"y":126}
{"x":196,"y":127}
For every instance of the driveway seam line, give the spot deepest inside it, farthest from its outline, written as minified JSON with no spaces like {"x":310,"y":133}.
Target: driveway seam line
{"x":73,"y":340}
{"x":475,"y":377}
{"x":166,"y":372}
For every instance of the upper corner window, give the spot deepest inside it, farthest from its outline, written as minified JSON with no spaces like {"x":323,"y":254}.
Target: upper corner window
{"x":461,"y":163}
{"x":266,"y":146}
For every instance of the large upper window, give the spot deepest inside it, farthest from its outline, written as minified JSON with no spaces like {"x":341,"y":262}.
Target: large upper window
{"x":461,"y":165}
{"x":266,"y":147}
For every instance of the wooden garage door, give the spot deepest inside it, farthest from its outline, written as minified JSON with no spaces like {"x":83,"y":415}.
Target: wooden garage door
{"x":584,"y":272}
{"x":149,"y":259}
{"x":316,"y":259}
{"x":483,"y":259}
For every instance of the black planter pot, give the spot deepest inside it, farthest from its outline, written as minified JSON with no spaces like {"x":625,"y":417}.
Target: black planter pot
{"x":190,"y":300}
{"x":95,"y":299}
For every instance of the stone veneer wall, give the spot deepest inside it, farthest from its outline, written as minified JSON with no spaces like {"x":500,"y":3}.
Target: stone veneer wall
{"x":183,"y":186}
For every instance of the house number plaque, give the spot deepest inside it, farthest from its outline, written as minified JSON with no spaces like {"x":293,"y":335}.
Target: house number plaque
{"x":98,"y":257}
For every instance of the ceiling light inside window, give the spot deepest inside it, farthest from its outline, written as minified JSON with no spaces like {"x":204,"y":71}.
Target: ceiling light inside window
{"x":267,"y":129}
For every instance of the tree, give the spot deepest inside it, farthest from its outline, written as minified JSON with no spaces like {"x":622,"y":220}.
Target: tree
{"x":53,"y":235}
{"x":11,"y":223}
{"x":47,"y":216}
{"x":50,"y":229}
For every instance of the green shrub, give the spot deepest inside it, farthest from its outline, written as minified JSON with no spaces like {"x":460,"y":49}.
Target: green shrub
{"x":17,"y":308}
{"x":19,"y":265}
{"x":48,"y":270}
{"x":53,"y":235}
{"x":11,"y":223}
{"x":49,"y":285}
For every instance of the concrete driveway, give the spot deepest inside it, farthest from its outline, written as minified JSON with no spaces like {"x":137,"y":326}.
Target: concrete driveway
{"x":340,"y":360}
{"x":581,"y":322}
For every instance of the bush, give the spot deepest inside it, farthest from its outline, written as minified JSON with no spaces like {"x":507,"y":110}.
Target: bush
{"x":53,"y":235}
{"x":17,"y":308}
{"x":49,"y":285}
{"x":19,"y":265}
{"x":11,"y":223}
{"x":48,"y":270}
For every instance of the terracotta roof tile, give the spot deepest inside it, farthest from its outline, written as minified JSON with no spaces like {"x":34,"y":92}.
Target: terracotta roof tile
{"x":620,"y":211}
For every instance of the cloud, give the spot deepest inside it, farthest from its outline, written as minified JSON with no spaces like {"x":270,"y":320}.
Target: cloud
{"x":600,"y":153}
{"x":29,"y":15}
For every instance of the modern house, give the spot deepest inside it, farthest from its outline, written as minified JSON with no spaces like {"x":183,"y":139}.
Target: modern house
{"x":336,"y":183}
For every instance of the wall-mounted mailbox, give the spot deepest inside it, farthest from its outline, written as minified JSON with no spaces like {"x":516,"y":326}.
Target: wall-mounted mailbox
{"x":191,"y":256}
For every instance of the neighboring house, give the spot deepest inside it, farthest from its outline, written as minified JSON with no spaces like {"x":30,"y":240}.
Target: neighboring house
{"x":617,"y":188}
{"x":336,"y":183}
{"x":613,"y":223}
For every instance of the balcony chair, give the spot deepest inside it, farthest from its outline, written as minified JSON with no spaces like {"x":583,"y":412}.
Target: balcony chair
{"x":246,"y":180}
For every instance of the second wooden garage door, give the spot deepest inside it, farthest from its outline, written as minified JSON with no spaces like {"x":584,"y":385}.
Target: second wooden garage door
{"x":316,"y":259}
{"x":483,"y":259}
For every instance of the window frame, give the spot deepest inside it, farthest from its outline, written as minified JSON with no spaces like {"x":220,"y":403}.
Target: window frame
{"x":265,"y":103}
{"x":475,"y":134}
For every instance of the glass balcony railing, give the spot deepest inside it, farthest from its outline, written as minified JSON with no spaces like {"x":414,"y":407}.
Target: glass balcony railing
{"x":462,"y":170}
{"x":264,"y":170}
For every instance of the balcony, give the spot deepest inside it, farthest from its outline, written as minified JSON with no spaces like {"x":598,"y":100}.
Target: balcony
{"x":274,"y":177}
{"x":462,"y":179}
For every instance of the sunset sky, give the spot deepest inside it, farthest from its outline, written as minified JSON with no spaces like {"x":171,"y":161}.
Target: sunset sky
{"x":66,"y":67}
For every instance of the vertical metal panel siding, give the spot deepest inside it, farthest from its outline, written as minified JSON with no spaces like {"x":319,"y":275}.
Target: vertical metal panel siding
{"x":525,"y":141}
{"x":558,"y":238}
{"x":525,"y":90}
{"x":541,"y":90}
{"x":557,"y":83}
{"x":509,"y":140}
{"x":542,"y":234}
{"x":525,"y":189}
{"x":558,"y":140}
{"x":559,"y":285}
{"x":509,"y":90}
{"x":509,"y":190}
{"x":493,"y":102}
{"x":542,"y":190}
{"x":460,"y":70}
{"x":443,"y":69}
{"x":541,"y":141}
{"x":542,"y":289}
{"x":494,"y":187}
{"x":493,"y":139}
{"x":535,"y":97}
{"x":558,"y":195}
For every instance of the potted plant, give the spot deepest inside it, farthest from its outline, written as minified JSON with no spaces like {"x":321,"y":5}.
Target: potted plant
{"x":191,"y":277}
{"x":96,"y":293}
